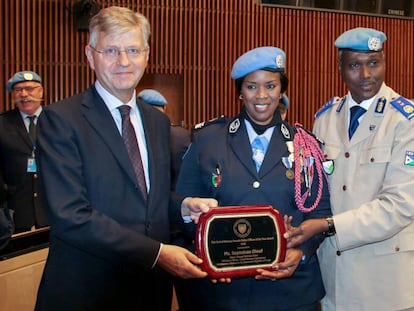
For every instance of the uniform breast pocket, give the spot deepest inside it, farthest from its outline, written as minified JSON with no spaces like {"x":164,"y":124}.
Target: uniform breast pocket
{"x":376,"y":155}
{"x":331,"y":151}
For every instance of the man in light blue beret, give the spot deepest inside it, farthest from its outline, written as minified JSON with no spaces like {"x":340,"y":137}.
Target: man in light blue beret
{"x":369,"y":143}
{"x":18,"y":168}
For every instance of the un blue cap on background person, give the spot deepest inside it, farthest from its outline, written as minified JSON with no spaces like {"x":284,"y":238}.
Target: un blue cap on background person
{"x":152,"y":97}
{"x":22,"y":76}
{"x":285,"y":101}
{"x":262,"y":58}
{"x":361,"y":40}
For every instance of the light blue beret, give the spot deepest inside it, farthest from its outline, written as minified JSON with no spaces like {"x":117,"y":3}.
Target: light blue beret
{"x":152,"y":97}
{"x":266,"y":58}
{"x":361,"y":39}
{"x":22,"y":76}
{"x":285,"y":101}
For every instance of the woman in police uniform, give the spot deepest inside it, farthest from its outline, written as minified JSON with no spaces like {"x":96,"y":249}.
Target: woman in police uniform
{"x":224,"y":162}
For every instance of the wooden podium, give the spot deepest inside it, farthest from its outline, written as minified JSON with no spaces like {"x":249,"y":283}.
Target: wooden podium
{"x":21,"y":267}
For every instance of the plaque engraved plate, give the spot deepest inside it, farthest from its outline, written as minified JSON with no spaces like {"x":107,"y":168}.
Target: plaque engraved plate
{"x":234,"y":241}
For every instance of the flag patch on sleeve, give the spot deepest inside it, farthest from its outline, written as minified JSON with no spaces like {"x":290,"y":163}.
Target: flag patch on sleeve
{"x":409,"y":158}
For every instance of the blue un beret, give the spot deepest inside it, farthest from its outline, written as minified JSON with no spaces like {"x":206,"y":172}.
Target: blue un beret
{"x":152,"y":97}
{"x":22,"y":76}
{"x":361,"y":39}
{"x":262,"y":58}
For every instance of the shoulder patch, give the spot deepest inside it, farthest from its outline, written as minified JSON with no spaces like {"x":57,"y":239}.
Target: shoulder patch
{"x":404,"y":106}
{"x":221,"y":119}
{"x":328,"y":105}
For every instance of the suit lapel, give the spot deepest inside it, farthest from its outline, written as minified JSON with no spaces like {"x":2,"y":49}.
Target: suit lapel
{"x":240,"y":145}
{"x":100,"y":119}
{"x":274,"y":152}
{"x":18,"y":124}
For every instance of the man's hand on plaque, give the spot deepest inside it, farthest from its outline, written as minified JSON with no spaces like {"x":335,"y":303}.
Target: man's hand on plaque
{"x":283,"y":269}
{"x":194,"y":207}
{"x":297,"y":235}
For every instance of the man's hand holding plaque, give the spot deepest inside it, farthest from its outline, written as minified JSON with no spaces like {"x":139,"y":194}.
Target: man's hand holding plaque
{"x":236,"y":241}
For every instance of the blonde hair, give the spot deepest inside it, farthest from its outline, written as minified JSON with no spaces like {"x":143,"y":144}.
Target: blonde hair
{"x":117,"y":20}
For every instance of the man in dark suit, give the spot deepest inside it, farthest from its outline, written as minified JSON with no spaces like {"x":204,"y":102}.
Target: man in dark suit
{"x":108,"y":236}
{"x":18,"y":171}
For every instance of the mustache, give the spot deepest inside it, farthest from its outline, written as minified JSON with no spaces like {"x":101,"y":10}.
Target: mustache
{"x":27,"y":98}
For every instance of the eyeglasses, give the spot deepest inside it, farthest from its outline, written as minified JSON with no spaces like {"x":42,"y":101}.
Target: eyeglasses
{"x":113,"y":53}
{"x":28,"y":89}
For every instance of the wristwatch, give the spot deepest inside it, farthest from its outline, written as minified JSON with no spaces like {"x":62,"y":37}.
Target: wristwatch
{"x":331,"y":227}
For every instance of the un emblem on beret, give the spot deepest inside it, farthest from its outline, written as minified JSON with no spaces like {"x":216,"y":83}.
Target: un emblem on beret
{"x":28,"y":76}
{"x":279,"y":61}
{"x":374,"y":44}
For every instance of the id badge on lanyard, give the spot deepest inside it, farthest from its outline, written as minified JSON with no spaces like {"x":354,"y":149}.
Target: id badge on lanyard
{"x":31,"y":163}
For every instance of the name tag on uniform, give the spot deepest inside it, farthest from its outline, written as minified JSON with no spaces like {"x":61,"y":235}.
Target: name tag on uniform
{"x":31,"y":165}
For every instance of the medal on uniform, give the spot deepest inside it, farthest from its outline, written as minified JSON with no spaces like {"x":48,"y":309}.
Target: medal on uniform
{"x":216,"y":177}
{"x":290,"y":174}
{"x":288,"y":161}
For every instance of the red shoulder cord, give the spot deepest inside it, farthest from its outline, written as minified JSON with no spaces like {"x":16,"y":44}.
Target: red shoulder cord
{"x":308,"y":156}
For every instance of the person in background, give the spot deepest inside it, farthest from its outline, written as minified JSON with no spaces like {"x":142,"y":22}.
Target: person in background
{"x":18,"y":170}
{"x":283,"y":106}
{"x":180,"y":136}
{"x":367,"y":263}
{"x":226,"y":163}
{"x":106,"y":173}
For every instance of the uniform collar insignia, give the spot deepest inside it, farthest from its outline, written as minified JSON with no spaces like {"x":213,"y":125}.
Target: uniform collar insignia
{"x":379,"y":108}
{"x":285,"y":131}
{"x":234,"y":126}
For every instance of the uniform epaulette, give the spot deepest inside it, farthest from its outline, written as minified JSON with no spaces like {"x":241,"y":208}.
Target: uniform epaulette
{"x":221,"y":119}
{"x":404,"y":106}
{"x":328,"y":105}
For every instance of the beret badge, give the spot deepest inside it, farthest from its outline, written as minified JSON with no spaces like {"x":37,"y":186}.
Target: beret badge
{"x":374,"y":44}
{"x":279,"y":61}
{"x":28,"y":76}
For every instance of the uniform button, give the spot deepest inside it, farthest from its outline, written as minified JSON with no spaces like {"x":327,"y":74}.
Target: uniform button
{"x":372,"y":160}
{"x":344,"y":187}
{"x":35,"y":176}
{"x":35,"y":194}
{"x":346,"y":154}
{"x":397,"y":249}
{"x":256,"y":184}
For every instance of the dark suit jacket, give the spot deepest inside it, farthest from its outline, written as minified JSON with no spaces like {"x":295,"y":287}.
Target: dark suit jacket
{"x":180,"y":140}
{"x":104,"y":237}
{"x":23,"y":193}
{"x":224,"y":145}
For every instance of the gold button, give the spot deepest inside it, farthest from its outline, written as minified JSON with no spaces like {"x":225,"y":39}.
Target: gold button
{"x":256,"y":184}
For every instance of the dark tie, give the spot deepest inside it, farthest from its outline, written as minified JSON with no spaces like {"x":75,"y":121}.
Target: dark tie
{"x":32,"y":128}
{"x":131,"y":144}
{"x":356,"y":112}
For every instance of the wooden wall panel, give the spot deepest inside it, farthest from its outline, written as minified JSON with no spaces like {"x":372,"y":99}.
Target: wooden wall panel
{"x":198,"y":41}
